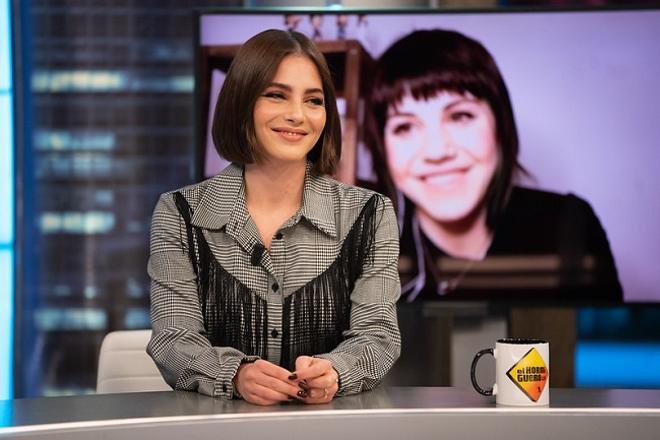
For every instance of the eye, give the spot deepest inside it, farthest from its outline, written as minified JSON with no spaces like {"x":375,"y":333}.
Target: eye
{"x":316,"y":101}
{"x":461,"y":116}
{"x":274,"y":95}
{"x":401,"y":128}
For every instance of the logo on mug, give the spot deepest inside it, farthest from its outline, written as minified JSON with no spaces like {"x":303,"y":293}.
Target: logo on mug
{"x":530,"y":374}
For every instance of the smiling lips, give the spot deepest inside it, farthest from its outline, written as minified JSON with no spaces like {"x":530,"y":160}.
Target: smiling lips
{"x":445,"y":177}
{"x":290,"y":134}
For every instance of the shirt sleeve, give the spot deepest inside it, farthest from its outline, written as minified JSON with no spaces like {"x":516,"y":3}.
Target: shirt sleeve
{"x":179,"y":345}
{"x":373,"y":342}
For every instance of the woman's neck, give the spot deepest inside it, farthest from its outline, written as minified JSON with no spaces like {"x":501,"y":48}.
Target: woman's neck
{"x":274,"y":187}
{"x":469,"y":238}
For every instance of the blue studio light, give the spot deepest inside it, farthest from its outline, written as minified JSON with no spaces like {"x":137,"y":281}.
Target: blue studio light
{"x":7,"y":204}
{"x":617,"y":364}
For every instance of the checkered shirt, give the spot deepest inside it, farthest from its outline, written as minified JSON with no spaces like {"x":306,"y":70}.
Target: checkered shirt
{"x":309,"y":243}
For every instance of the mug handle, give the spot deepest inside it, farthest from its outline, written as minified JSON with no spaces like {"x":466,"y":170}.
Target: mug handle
{"x":473,"y":371}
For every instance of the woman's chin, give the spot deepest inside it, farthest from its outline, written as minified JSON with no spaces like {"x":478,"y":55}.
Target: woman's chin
{"x":449,"y":217}
{"x":444,"y":213}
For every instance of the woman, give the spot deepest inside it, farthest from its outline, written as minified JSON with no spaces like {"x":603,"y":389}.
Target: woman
{"x":443,"y":132}
{"x":272,"y":281}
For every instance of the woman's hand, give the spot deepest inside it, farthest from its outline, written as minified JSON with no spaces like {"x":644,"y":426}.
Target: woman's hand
{"x":264,"y":383}
{"x":317,"y":378}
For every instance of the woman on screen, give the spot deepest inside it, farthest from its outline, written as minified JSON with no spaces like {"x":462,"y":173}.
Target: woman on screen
{"x":443,"y":132}
{"x":271,"y":281}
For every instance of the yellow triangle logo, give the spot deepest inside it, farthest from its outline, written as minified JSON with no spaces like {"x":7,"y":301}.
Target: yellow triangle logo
{"x":530,"y":374}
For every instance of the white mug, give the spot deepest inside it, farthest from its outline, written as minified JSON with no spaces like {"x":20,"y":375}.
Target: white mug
{"x":522,"y":372}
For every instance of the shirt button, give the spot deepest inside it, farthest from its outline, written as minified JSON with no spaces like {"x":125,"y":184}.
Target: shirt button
{"x":274,"y":333}
{"x":279,"y":236}
{"x":275,"y":287}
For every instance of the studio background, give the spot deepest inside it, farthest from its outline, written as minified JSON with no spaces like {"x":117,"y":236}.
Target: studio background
{"x":102,"y":123}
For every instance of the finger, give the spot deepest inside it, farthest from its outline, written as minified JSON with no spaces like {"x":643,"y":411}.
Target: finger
{"x":327,"y":380}
{"x":303,"y":362}
{"x":322,"y":392}
{"x":253,"y":379}
{"x":278,"y":385}
{"x":317,"y":396}
{"x":315,"y":369}
{"x":272,"y":370}
{"x":253,"y":395}
{"x":268,"y":394}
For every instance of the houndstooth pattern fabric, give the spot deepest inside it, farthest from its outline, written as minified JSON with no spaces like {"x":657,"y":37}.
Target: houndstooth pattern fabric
{"x":308,"y":245}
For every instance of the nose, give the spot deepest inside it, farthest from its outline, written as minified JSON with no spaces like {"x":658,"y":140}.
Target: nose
{"x":294,"y":113}
{"x":440,"y":145}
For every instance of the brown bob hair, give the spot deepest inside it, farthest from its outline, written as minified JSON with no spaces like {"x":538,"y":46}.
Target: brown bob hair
{"x":250,"y":72}
{"x":425,"y":63}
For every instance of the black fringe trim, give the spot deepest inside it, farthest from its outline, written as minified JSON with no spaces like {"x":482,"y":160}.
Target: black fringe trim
{"x":316,"y":315}
{"x":233,"y":315}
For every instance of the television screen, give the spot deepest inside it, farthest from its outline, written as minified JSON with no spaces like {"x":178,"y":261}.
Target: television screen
{"x":519,"y":148}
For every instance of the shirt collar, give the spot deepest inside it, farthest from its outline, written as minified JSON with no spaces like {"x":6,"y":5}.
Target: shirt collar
{"x":223,"y":202}
{"x":318,"y":205}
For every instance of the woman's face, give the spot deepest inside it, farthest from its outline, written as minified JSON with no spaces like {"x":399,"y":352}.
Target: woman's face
{"x":289,"y":115}
{"x":442,"y":153}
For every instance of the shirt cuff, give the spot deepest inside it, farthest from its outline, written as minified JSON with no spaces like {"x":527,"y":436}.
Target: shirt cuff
{"x":232,"y":391}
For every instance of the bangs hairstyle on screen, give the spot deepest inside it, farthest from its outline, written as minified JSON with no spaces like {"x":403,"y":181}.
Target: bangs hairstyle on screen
{"x":425,"y":63}
{"x":250,"y":73}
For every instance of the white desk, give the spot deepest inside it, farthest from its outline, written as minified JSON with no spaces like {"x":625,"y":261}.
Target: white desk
{"x":386,"y":413}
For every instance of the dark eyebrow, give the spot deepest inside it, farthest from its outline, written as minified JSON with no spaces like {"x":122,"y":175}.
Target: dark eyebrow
{"x":280,"y":86}
{"x":288,"y":88}
{"x":398,"y":113}
{"x":461,"y":100}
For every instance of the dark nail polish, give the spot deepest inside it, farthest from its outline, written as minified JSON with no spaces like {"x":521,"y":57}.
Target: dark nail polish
{"x":294,"y":376}
{"x":302,"y":393}
{"x":303,"y":386}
